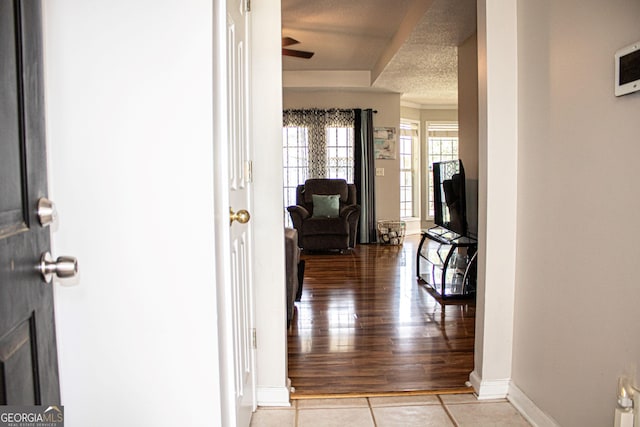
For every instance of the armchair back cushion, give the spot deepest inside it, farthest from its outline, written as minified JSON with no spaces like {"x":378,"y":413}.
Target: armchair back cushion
{"x":326,"y":206}
{"x":326,"y":187}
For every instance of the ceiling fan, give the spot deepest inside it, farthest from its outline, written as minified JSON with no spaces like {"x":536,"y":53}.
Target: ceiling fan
{"x":288,"y":41}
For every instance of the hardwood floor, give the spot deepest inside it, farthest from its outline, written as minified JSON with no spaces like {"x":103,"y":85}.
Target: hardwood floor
{"x":365,"y":325}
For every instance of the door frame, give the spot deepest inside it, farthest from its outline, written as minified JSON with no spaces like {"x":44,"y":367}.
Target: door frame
{"x":492,"y":372}
{"x":267,"y":215}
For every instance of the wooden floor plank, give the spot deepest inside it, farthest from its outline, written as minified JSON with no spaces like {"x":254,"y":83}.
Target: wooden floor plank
{"x":365,"y":325}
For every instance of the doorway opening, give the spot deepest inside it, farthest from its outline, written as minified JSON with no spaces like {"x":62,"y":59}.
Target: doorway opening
{"x":365,"y":325}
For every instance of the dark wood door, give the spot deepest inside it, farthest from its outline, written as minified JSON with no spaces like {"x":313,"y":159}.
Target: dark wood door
{"x":28,"y":358}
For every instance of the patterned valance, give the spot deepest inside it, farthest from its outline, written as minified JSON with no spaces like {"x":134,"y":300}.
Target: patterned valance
{"x":316,"y":121}
{"x":316,"y":117}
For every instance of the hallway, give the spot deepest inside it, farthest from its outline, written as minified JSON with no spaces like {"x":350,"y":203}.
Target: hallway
{"x":369,"y":346}
{"x":365,"y":325}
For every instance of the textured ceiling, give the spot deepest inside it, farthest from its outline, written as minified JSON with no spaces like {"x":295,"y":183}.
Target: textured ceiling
{"x":344,"y":34}
{"x":354,"y":34}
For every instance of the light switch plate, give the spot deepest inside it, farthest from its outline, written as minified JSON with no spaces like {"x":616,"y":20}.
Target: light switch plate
{"x":379,"y":171}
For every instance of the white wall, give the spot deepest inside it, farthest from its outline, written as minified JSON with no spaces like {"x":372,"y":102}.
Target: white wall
{"x":269,"y":272}
{"x":468,"y":105}
{"x":576,"y":321}
{"x":468,"y":124}
{"x":497,"y":196}
{"x":129,"y":105}
{"x":388,"y":106}
{"x":410,"y":113}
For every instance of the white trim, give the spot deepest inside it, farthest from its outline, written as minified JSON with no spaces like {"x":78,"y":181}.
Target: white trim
{"x":416,"y":161}
{"x":273,"y":396}
{"x":534,"y":415}
{"x":494,"y":389}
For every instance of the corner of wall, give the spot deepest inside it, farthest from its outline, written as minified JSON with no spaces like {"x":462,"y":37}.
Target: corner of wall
{"x":268,"y":225}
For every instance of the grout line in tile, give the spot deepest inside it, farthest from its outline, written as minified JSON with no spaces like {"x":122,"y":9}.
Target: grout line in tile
{"x":373,"y":417}
{"x":449,"y":414}
{"x":441,"y":402}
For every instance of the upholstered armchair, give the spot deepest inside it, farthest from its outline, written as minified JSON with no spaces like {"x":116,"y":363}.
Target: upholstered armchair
{"x":292,"y":274}
{"x":326,"y":214}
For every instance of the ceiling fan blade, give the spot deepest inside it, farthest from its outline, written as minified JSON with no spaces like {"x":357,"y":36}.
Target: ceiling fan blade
{"x":288,"y":41}
{"x":297,"y":53}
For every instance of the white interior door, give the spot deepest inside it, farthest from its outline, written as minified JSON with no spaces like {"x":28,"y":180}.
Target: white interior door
{"x":240,"y":204}
{"x":234,"y":252}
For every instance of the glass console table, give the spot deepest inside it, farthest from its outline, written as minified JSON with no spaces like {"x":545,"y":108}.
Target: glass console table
{"x":449,"y":268}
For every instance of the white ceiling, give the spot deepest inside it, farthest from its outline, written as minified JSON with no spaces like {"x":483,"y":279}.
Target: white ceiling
{"x":404,"y":46}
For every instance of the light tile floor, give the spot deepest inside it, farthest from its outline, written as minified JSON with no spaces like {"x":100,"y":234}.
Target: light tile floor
{"x":455,"y":410}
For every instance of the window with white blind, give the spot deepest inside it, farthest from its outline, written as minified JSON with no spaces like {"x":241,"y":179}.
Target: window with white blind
{"x":409,"y":169}
{"x":340,"y":161}
{"x":442,"y":145}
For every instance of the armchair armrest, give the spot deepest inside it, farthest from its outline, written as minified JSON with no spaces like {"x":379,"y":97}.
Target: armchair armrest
{"x":298,"y":214}
{"x":348,"y":210}
{"x":351,"y":214}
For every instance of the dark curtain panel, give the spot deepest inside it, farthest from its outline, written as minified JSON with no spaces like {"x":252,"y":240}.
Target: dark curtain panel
{"x":364,"y":174}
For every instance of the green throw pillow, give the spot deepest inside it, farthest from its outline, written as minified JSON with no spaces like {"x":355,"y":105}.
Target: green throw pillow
{"x":326,"y":206}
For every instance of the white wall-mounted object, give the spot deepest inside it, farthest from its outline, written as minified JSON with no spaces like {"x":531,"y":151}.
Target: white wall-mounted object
{"x":623,"y":418}
{"x":627,"y":76}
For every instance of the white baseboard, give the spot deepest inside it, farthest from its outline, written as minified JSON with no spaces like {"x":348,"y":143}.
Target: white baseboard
{"x":273,"y":396}
{"x":485,"y":389}
{"x":534,"y":415}
{"x":500,"y":389}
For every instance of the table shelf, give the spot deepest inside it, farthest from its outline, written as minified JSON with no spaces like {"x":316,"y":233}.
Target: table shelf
{"x":448,"y":269}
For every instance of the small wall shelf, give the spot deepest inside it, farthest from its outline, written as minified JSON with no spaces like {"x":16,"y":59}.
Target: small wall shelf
{"x":448,"y":269}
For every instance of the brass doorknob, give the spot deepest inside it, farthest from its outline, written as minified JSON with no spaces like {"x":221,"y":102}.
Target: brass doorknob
{"x":242,"y":216}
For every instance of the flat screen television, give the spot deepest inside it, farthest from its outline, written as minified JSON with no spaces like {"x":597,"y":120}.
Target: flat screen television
{"x":450,"y":196}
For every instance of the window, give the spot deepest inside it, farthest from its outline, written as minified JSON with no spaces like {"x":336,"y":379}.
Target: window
{"x":409,"y":161}
{"x":442,"y":142}
{"x":340,"y":153}
{"x":296,"y":162}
